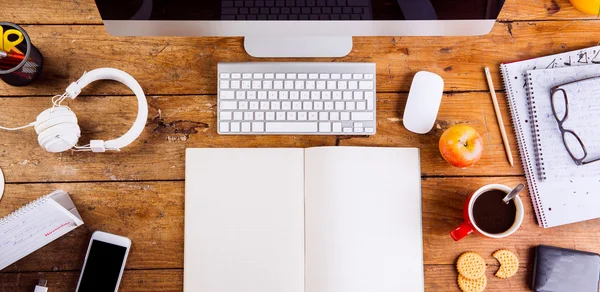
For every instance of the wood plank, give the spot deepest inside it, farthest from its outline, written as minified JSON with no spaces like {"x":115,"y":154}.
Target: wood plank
{"x":152,"y":215}
{"x":169,"y":65}
{"x":437,"y":278}
{"x":85,"y":12}
{"x":189,"y":121}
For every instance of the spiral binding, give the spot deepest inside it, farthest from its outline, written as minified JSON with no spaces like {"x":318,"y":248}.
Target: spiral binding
{"x":32,"y":205}
{"x":535,"y":131}
{"x":524,"y":152}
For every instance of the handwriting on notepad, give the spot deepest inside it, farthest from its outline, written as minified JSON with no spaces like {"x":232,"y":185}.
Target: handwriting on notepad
{"x":57,"y":228}
{"x":583,"y":119}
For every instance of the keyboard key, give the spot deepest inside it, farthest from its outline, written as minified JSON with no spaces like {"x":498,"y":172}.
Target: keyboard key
{"x":224,"y":94}
{"x":225,"y":75}
{"x":323,"y":76}
{"x":366,"y":85}
{"x":250,"y":94}
{"x":304,"y":95}
{"x":269,"y":76}
{"x":283,"y":95}
{"x":345,"y":116}
{"x":225,"y":116}
{"x":238,"y":116}
{"x":347,"y":95}
{"x":224,"y":127}
{"x":259,"y":116}
{"x":370,"y":100}
{"x":323,"y":116}
{"x":350,"y":106}
{"x":334,"y":116}
{"x":358,"y":125}
{"x":352,"y":84}
{"x":337,"y":95}
{"x":291,"y":116}
{"x":358,"y":130}
{"x":347,"y":130}
{"x":270,"y":116}
{"x":273,"y":94}
{"x":329,"y":105}
{"x":236,"y":75}
{"x":286,"y":105}
{"x":318,"y":105}
{"x":369,"y":76}
{"x":240,"y":95}
{"x":279,"y":76}
{"x":321,"y":85}
{"x":302,"y":76}
{"x":248,"y":116}
{"x":313,"y":76}
{"x":247,"y":76}
{"x":362,"y":116}
{"x":326,"y":95}
{"x":224,"y":84}
{"x":369,"y":130}
{"x":243,"y":105}
{"x":288,"y":84}
{"x":313,"y":116}
{"x":262,"y":95}
{"x":331,"y":85}
{"x":235,"y":127}
{"x":357,"y":76}
{"x":296,"y":105}
{"x":264,"y":105}
{"x":296,"y":127}
{"x":337,"y":127}
{"x":245,"y":127}
{"x":278,"y":84}
{"x":315,"y":95}
{"x":339,"y":106}
{"x":275,"y":105}
{"x":256,"y":84}
{"x":235,"y":84}
{"x":307,"y":105}
{"x":358,"y":95}
{"x":310,"y":84}
{"x":280,"y":116}
{"x":324,"y":127}
{"x":254,"y":105}
{"x":336,"y":76}
{"x":361,"y":105}
{"x":346,"y":76}
{"x":294,"y":95}
{"x":290,"y":76}
{"x":258,"y":76}
{"x":228,"y":105}
{"x":302,"y":116}
{"x":342,"y":85}
{"x":267,"y":84}
{"x":299,"y":85}
{"x":258,"y":127}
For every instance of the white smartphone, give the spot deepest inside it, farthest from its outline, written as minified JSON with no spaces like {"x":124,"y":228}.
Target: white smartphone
{"x":104,"y":263}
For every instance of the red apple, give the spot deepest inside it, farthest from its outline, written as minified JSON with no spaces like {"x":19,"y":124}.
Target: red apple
{"x":461,"y":146}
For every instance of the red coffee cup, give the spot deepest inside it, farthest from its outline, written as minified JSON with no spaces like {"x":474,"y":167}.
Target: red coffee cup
{"x":469,"y":226}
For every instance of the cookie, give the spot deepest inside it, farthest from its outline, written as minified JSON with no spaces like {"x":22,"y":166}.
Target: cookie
{"x":509,"y":263}
{"x":468,"y":285}
{"x":471,"y":266}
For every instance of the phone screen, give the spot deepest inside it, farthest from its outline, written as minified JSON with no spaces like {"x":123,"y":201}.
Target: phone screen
{"x":102,"y":268}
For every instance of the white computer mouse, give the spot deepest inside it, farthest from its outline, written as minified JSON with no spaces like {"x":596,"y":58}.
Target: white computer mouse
{"x":423,"y":102}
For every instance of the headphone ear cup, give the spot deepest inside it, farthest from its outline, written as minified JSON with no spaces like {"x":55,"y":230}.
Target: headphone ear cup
{"x":60,"y":143}
{"x":57,"y":129}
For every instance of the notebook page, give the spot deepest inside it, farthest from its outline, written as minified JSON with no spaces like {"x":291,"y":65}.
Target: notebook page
{"x":32,"y":227}
{"x":554,"y":161}
{"x":244,"y":220}
{"x":363,"y":220}
{"x":514,"y":76}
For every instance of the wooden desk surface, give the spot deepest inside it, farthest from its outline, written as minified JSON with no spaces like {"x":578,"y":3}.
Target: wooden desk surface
{"x":139,"y":192}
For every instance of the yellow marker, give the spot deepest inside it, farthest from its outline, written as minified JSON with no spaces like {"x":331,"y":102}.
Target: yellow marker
{"x":7,"y":45}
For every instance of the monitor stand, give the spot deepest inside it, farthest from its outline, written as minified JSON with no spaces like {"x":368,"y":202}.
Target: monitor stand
{"x":298,"y":46}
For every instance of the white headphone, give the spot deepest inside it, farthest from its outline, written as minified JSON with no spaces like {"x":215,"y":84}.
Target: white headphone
{"x":57,"y":126}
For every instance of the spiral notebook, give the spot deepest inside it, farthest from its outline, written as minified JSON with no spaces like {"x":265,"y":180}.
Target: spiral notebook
{"x":35,"y":225}
{"x":558,"y":201}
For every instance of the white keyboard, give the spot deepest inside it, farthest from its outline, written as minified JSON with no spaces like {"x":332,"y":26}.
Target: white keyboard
{"x":296,"y":99}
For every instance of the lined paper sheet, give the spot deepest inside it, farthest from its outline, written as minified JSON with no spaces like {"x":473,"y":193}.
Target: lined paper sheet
{"x":554,"y":161}
{"x":35,"y":225}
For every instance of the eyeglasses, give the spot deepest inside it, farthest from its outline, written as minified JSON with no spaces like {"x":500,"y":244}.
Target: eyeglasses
{"x":560,"y":108}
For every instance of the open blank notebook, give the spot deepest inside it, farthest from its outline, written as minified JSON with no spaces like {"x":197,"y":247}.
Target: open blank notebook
{"x":35,"y":225}
{"x":293,"y":220}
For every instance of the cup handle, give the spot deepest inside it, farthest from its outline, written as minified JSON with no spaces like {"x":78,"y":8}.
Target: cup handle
{"x":461,"y":231}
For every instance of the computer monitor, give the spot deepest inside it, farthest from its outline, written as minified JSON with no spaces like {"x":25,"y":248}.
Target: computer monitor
{"x":299,"y":28}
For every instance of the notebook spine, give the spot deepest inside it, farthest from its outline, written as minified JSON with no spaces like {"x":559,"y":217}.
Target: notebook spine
{"x":16,"y":214}
{"x":524,"y":152}
{"x":541,"y":170}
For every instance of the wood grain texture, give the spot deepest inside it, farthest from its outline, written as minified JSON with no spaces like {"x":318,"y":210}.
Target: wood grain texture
{"x":152,"y":215}
{"x":179,"y":122}
{"x":438,"y":278}
{"x":85,"y":12}
{"x":178,"y":65}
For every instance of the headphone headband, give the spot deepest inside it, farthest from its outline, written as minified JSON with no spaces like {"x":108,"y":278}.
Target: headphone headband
{"x":117,"y":75}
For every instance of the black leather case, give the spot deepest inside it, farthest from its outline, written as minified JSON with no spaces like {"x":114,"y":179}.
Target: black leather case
{"x":565,"y":270}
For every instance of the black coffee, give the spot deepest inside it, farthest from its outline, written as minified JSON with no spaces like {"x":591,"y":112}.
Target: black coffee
{"x":491,"y":214}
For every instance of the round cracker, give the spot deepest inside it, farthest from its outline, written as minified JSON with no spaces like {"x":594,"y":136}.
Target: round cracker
{"x":471,"y":265}
{"x":509,"y":263}
{"x":468,"y":285}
